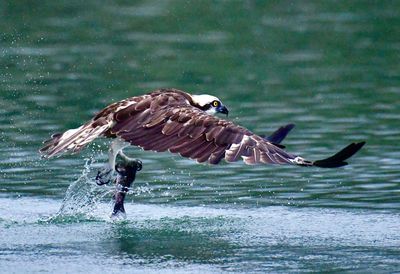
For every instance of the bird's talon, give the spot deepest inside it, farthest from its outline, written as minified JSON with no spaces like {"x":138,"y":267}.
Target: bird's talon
{"x":103,"y":177}
{"x":139,"y":165}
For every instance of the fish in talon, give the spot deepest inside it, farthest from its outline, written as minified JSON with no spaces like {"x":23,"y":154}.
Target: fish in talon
{"x":126,"y":174}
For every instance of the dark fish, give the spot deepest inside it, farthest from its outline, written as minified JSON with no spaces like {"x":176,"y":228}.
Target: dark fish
{"x":126,"y":173}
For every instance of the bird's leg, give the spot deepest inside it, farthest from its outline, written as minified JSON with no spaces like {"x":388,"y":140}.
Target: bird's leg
{"x":126,"y":173}
{"x":105,"y":175}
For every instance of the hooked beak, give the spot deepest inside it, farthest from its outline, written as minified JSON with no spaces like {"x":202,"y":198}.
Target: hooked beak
{"x":223,"y":110}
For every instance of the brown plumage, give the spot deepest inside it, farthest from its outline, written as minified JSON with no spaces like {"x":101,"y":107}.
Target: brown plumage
{"x":170,"y":119}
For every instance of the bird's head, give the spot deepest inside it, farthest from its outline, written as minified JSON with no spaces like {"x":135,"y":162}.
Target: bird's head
{"x":210,"y":104}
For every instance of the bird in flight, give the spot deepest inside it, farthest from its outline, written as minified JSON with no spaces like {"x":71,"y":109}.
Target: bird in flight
{"x":176,"y":121}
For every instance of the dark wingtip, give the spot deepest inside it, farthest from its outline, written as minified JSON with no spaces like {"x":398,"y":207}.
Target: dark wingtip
{"x":278,"y":135}
{"x":338,"y":160}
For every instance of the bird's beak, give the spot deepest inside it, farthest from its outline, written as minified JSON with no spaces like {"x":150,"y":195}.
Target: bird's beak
{"x":223,"y":110}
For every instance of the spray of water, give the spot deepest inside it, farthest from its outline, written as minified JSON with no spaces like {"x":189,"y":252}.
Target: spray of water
{"x":82,"y":198}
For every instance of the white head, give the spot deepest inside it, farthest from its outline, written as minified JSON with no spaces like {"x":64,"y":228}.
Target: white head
{"x":209,"y":104}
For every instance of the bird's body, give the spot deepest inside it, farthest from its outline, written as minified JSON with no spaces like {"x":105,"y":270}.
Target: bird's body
{"x":176,"y":121}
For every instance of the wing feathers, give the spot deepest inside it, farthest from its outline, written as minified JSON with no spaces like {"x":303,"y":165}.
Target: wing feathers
{"x":171,"y":127}
{"x":192,"y":147}
{"x":166,"y":120}
{"x":125,"y":114}
{"x":204,"y":155}
{"x":204,"y":152}
{"x":217,"y":155}
{"x":197,"y":132}
{"x":72,"y":140}
{"x":186,"y":129}
{"x":185,"y":145}
{"x":339,"y":158}
{"x":167,"y":143}
{"x":161,"y":119}
{"x":210,"y":136}
{"x":143,"y":104}
{"x":266,"y":158}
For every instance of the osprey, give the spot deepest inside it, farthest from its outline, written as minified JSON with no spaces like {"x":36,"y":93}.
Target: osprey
{"x":174,"y":120}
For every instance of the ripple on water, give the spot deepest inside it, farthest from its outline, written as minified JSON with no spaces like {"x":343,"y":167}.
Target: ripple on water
{"x":217,"y":237}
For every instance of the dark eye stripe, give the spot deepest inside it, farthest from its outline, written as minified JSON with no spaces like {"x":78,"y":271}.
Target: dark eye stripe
{"x":206,"y":107}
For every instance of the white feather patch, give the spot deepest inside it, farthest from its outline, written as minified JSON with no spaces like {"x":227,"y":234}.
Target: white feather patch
{"x":204,"y":99}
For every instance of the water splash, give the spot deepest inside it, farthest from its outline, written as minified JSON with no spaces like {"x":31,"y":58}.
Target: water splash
{"x":82,"y":198}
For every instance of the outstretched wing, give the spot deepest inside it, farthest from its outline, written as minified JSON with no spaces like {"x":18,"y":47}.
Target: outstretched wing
{"x":165,"y":120}
{"x":195,"y":134}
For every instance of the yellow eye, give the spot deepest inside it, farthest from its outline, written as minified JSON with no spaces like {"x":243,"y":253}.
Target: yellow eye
{"x":215,"y":103}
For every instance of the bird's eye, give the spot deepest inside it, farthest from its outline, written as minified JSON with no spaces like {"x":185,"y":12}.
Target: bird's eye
{"x":215,"y":103}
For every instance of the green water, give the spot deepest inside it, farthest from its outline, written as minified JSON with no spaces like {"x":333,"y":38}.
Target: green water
{"x":330,"y":67}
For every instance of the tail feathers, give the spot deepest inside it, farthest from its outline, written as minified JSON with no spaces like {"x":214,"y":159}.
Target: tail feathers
{"x":72,"y":140}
